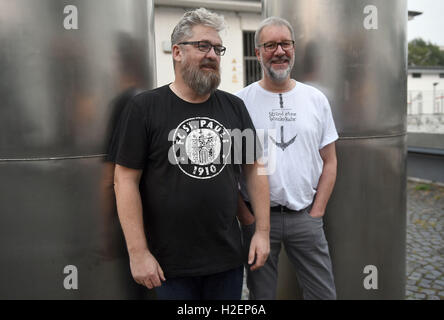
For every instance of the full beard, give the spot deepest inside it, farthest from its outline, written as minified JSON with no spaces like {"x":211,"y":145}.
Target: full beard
{"x":202,"y":82}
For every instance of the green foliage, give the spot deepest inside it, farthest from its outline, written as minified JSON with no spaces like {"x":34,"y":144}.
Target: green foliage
{"x":423,"y":53}
{"x":423,"y":187}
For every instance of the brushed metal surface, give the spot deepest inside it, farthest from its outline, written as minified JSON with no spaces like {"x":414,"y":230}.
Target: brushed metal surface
{"x":55,"y":214}
{"x":61,"y":93}
{"x":58,"y":85}
{"x":363,"y":73}
{"x":365,"y":221}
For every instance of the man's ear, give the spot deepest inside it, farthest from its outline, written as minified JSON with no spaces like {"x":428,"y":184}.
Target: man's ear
{"x":177,"y":53}
{"x":258,"y":54}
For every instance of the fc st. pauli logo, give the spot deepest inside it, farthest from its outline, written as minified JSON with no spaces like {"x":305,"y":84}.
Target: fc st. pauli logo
{"x":201,"y":147}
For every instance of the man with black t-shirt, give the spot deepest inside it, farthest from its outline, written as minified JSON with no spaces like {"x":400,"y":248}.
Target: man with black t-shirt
{"x":177,"y":174}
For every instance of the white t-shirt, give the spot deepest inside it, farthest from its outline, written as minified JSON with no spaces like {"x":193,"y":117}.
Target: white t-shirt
{"x":303,"y":125}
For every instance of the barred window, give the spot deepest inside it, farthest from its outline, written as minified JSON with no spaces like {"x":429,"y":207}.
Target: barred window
{"x":252,"y":68}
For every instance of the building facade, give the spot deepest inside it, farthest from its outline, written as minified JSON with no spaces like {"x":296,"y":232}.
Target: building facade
{"x":425,"y":100}
{"x":238,"y":66}
{"x":425,"y":90}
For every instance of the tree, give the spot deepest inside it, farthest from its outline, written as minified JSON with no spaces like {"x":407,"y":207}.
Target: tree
{"x":424,"y":54}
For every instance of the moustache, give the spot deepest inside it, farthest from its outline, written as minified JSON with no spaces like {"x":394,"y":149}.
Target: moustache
{"x":209,"y":64}
{"x":280,"y":60}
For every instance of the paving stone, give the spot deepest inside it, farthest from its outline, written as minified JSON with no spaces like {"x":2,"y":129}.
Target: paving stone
{"x":428,"y":291}
{"x":429,"y":267}
{"x":436,"y":273}
{"x":426,"y":281}
{"x":437,"y":287}
{"x":430,"y":276}
{"x":425,"y":243}
{"x":431,"y":259}
{"x":419,"y":296}
{"x":412,"y":288}
{"x":440,"y":282}
{"x":422,"y":270}
{"x":415,"y":276}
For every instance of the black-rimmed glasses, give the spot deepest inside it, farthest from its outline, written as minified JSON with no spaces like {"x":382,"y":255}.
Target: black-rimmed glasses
{"x":272,"y":45}
{"x":205,"y":46}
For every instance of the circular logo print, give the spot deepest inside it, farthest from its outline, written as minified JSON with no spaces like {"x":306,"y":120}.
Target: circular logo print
{"x":201,"y":147}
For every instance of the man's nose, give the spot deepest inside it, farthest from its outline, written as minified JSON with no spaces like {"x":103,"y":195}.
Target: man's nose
{"x":212,"y":54}
{"x":279,"y":51}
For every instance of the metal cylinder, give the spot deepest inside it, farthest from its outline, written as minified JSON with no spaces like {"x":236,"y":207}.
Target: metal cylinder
{"x":355,"y":52}
{"x":66,"y":66}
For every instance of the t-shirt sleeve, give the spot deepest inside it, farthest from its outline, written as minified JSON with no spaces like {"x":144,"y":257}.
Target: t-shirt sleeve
{"x":113,"y":130}
{"x":329,"y":133}
{"x":132,"y":147}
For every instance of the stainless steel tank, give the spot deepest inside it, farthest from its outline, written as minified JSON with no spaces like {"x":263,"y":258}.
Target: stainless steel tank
{"x":355,"y":52}
{"x":65,"y":67}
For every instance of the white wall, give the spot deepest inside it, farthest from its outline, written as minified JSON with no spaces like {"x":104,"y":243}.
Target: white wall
{"x":420,"y":93}
{"x":425,"y":82}
{"x":231,"y":63}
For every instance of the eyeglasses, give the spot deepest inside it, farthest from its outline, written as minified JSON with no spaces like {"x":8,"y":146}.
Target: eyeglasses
{"x":272,"y":46}
{"x":205,"y":46}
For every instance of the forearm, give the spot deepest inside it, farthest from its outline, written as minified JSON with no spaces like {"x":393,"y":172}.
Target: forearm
{"x":325,"y":187}
{"x":129,"y":208}
{"x":259,"y":195}
{"x":244,"y":214}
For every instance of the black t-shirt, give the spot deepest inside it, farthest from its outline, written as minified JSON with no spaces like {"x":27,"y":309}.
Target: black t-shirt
{"x":118,"y":106}
{"x":189,"y":185}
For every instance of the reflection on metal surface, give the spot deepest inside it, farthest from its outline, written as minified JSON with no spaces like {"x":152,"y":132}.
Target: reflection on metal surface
{"x":362,"y":72}
{"x":61,"y":90}
{"x":359,"y":62}
{"x":57,"y":84}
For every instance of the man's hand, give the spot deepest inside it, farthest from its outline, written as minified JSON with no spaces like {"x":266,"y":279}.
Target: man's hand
{"x":259,"y":194}
{"x":146,"y":270}
{"x":259,"y":249}
{"x":316,"y":214}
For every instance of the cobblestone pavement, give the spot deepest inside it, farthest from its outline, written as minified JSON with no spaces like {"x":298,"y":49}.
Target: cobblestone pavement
{"x":425,"y":241}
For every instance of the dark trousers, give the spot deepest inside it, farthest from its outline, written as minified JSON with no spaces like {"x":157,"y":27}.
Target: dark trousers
{"x":220,"y":286}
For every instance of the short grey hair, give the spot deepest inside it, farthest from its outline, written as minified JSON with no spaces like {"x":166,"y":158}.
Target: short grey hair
{"x":271,"y":21}
{"x":201,"y":16}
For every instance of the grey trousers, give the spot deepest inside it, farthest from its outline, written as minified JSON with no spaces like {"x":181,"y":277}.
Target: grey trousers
{"x":307,"y":248}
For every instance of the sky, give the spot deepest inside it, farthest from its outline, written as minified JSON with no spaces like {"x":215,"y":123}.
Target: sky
{"x":429,"y":25}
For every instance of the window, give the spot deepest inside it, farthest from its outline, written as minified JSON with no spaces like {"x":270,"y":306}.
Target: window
{"x":441,"y":75}
{"x":416,"y":75}
{"x":252,"y":68}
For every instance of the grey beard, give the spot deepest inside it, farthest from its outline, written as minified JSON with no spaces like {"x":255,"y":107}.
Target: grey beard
{"x":200,"y":81}
{"x":278,"y":76}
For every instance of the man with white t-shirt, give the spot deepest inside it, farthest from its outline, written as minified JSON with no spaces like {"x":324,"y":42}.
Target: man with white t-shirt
{"x":305,"y":167}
